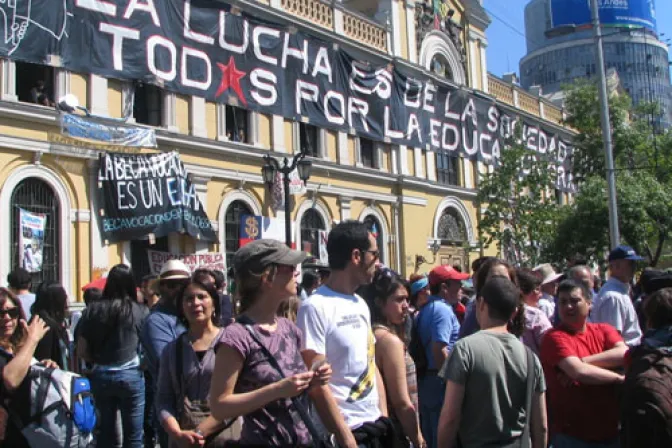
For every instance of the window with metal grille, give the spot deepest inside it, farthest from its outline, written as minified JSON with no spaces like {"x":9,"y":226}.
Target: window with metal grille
{"x":35,"y":83}
{"x":451,"y":227}
{"x":237,"y":124}
{"x":447,"y":169}
{"x":376,"y":230}
{"x":311,"y":224}
{"x":232,"y":228}
{"x":36,"y":196}
{"x":148,"y":105}
{"x":140,"y":259}
{"x":367,"y":152}
{"x":308,"y":139}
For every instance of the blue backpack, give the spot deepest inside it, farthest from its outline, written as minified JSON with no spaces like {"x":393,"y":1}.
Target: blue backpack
{"x":62,"y":411}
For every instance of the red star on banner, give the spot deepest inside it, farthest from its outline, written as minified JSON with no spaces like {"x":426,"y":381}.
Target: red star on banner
{"x":231,"y":77}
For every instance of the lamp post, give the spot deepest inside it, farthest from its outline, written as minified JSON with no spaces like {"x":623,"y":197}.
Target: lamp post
{"x":614,"y":234}
{"x":271,"y":166}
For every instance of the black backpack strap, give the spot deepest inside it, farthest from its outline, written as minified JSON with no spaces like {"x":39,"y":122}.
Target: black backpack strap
{"x":529,"y":396}
{"x":300,"y":408}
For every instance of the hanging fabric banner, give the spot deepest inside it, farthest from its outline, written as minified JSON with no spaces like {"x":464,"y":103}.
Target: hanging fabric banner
{"x":31,"y":240}
{"x":107,"y":131}
{"x":202,"y":48}
{"x":149,"y":194}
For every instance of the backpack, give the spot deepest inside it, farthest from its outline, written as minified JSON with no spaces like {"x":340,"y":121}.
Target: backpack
{"x":416,"y":349}
{"x":62,"y":412}
{"x":646,"y":405}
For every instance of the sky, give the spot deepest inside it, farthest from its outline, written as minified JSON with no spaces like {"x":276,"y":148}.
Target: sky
{"x":506,"y":34}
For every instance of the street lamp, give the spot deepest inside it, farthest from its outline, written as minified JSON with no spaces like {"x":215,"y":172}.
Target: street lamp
{"x":614,"y":234}
{"x":271,"y":166}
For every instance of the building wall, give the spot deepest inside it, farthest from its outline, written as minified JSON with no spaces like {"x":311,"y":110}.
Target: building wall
{"x":402,"y":193}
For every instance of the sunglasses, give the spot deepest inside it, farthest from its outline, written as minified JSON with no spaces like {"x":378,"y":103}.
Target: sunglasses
{"x":375,"y":253}
{"x":171,"y":284}
{"x":13,"y":313}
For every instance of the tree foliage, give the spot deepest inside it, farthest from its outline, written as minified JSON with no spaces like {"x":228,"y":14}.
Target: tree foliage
{"x":643,"y":164}
{"x":519,"y":204}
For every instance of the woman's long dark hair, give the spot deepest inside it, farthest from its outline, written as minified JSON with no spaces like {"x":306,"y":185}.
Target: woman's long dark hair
{"x":115,"y":308}
{"x":51,"y":300}
{"x":385,"y":283}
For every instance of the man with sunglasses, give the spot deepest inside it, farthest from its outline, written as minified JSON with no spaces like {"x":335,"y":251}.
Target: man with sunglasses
{"x":336,"y":325}
{"x":162,"y":325}
{"x":438,"y":329}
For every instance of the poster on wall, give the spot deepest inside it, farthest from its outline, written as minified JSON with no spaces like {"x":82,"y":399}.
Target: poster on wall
{"x":214,"y":261}
{"x":31,"y":240}
{"x":149,"y":194}
{"x":257,"y":227}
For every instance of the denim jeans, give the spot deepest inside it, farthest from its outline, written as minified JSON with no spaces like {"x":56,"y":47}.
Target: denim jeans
{"x":122,"y":390}
{"x":565,"y":441}
{"x":431,"y":391}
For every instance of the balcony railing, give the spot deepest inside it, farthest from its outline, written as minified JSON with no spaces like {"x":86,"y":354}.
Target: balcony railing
{"x":336,"y":18}
{"x":517,"y":97}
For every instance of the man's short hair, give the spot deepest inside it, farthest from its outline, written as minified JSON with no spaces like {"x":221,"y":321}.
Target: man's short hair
{"x":148,"y":278}
{"x":567,"y":286}
{"x":477,"y":263}
{"x":343,"y":239}
{"x":658,"y":308}
{"x":576,"y":270}
{"x":502,"y":297}
{"x":19,"y":279}
{"x":528,"y":280}
{"x":220,"y":278}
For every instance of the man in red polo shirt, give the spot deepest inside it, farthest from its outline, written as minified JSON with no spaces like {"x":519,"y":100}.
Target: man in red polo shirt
{"x":576,"y":357}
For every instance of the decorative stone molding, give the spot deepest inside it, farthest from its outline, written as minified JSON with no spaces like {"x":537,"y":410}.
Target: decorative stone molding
{"x":458,"y":205}
{"x":437,"y":43}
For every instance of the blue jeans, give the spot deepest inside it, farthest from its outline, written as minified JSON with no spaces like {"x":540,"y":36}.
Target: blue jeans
{"x":122,"y":390}
{"x":431,"y":391}
{"x":565,"y":441}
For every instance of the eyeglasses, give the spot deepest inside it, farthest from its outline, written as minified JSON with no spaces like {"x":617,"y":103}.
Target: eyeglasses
{"x":13,"y":313}
{"x":172,"y":284}
{"x":375,"y":253}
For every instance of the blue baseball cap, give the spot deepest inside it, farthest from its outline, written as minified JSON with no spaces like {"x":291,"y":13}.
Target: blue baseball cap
{"x":624,"y":253}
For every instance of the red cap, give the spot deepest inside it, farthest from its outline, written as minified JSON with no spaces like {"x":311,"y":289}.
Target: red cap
{"x":444,"y":273}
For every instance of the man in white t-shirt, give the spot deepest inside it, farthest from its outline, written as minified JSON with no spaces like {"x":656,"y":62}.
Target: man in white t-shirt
{"x":336,"y":326}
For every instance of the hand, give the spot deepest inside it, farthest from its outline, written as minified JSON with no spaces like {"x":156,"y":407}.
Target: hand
{"x":322,"y":374}
{"x":188,"y":439}
{"x":36,"y":330}
{"x":295,"y":384}
{"x":49,"y":364}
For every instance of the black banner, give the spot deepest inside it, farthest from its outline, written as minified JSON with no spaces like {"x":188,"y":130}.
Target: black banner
{"x":149,"y":194}
{"x":198,"y":47}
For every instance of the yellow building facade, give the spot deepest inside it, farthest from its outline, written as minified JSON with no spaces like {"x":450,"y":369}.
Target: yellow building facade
{"x":417,"y":199}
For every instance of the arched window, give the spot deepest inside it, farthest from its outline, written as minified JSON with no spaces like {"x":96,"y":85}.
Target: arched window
{"x":451,"y":227}
{"x":376,"y":230}
{"x":232,"y":228}
{"x":41,"y":250}
{"x":441,"y":66}
{"x":311,"y":224}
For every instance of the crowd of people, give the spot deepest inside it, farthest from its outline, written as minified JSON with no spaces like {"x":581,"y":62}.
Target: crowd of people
{"x":356,"y":356}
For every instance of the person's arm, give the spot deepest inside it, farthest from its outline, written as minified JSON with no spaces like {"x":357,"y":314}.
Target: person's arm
{"x":609,"y":359}
{"x":155,"y":337}
{"x":440,"y":353}
{"x":451,"y":414}
{"x":166,"y":398}
{"x":586,"y":373}
{"x":326,"y":406}
{"x":390,"y":357}
{"x":539,"y":421}
{"x":225,"y":404}
{"x":16,"y":370}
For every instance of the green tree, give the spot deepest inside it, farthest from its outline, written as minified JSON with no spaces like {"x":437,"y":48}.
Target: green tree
{"x":644,"y":218}
{"x":519,"y":205}
{"x":643,"y":174}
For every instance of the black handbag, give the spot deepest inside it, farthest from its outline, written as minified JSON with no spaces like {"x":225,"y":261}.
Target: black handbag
{"x":320,"y":438}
